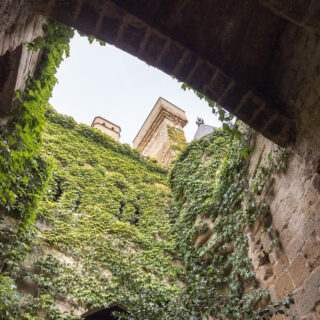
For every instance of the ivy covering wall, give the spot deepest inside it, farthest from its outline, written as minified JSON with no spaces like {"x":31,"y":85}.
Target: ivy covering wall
{"x":216,"y":203}
{"x":109,"y":227}
{"x":23,"y":172}
{"x":103,"y":234}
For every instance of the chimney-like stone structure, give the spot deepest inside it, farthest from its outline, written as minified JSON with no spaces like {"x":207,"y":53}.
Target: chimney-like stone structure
{"x":107,"y":127}
{"x":161,"y":132}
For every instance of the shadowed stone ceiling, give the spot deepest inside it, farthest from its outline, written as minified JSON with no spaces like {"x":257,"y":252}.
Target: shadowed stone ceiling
{"x":223,"y":49}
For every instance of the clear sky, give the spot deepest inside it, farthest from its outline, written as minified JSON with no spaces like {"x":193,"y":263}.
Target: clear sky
{"x":103,"y":80}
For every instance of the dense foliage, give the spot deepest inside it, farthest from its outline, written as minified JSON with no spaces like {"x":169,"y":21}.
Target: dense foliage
{"x":107,"y":229}
{"x":177,"y":140}
{"x":214,"y":207}
{"x":22,"y":170}
{"x":103,"y":230}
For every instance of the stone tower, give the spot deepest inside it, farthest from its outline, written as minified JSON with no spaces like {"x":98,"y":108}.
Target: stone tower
{"x":107,"y":127}
{"x":161,"y":134}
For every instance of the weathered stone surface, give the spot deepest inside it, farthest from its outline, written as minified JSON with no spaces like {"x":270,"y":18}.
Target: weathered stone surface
{"x":295,"y":201}
{"x":20,"y":64}
{"x":153,"y":139}
{"x":308,"y":298}
{"x":298,"y":270}
{"x":283,"y":285}
{"x":18,"y":24}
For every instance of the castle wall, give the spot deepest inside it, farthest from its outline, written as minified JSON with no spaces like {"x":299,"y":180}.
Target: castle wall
{"x":294,"y":200}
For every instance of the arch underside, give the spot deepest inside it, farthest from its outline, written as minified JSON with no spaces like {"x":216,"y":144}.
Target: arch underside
{"x":226,"y":50}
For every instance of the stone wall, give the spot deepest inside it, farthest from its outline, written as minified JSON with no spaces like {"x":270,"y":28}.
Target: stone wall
{"x":294,"y":199}
{"x":18,"y":26}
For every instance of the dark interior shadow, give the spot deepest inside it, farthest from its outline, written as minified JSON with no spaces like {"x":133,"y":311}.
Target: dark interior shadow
{"x":104,"y":313}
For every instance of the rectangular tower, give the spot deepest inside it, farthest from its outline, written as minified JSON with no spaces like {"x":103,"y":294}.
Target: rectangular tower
{"x":162,"y":132}
{"x":107,"y":127}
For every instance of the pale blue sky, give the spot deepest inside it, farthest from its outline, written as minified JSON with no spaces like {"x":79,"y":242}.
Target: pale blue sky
{"x":103,"y":80}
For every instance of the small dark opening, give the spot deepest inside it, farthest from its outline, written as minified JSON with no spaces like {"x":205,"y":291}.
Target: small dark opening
{"x":105,"y":314}
{"x":4,"y":69}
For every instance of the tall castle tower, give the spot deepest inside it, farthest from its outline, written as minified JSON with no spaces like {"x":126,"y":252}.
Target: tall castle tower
{"x":107,"y":127}
{"x":161,"y":134}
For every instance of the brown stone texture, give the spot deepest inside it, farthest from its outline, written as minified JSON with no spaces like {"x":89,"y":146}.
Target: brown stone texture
{"x":295,"y":199}
{"x":18,"y":24}
{"x":15,"y":68}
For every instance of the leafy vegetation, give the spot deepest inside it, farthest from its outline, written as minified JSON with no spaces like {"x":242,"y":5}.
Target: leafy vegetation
{"x":108,"y":230}
{"x":23,"y":172}
{"x":214,"y":207}
{"x":103,"y":230}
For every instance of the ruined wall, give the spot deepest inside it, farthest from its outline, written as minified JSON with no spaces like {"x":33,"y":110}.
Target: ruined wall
{"x":294,"y":198}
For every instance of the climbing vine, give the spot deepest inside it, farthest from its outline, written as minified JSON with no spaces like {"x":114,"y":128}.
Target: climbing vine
{"x":177,"y":140}
{"x":214,"y":207}
{"x":108,"y":230}
{"x":226,"y":118}
{"x":103,"y":234}
{"x":22,"y":170}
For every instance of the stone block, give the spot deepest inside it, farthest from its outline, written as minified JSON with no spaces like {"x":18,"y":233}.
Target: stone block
{"x":311,"y":252}
{"x":171,"y":57}
{"x":310,"y":316}
{"x":299,"y":270}
{"x":308,"y":298}
{"x":249,"y":108}
{"x":218,"y":86}
{"x":317,"y":311}
{"x":280,"y":261}
{"x":279,"y":268}
{"x":296,"y":10}
{"x":278,"y":317}
{"x":87,"y":19}
{"x":316,"y":182}
{"x":294,"y":247}
{"x":201,"y":75}
{"x":283,"y":285}
{"x":64,"y":10}
{"x":133,"y":36}
{"x":234,"y":96}
{"x":153,"y":48}
{"x":109,"y":28}
{"x":185,"y":66}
